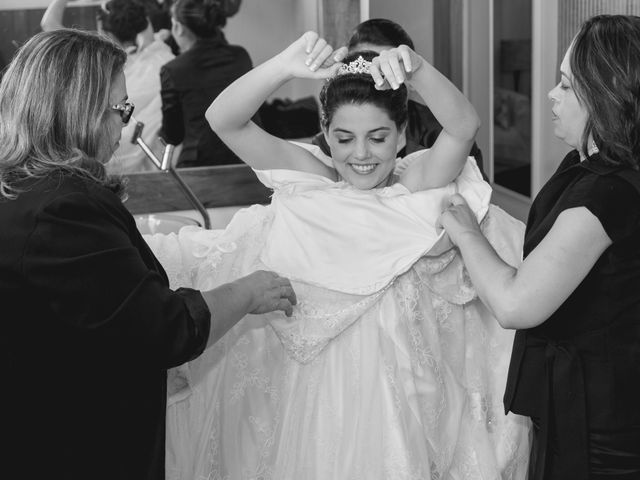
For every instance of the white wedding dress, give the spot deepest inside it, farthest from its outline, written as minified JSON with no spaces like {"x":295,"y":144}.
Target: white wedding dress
{"x":390,"y":367}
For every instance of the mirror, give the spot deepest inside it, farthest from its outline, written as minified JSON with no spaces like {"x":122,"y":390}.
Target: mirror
{"x":512,"y":95}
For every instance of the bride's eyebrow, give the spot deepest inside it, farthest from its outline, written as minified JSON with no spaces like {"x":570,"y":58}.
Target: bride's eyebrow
{"x":344,"y":130}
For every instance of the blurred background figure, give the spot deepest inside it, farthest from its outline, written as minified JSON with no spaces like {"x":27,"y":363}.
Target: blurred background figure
{"x":127,"y":22}
{"x":159,"y":15}
{"x":206,"y":65}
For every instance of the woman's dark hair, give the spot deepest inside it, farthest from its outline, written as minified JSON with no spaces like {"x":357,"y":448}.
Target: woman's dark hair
{"x":159,"y":14}
{"x":124,"y":19}
{"x":204,"y":18}
{"x":359,"y":89}
{"x":605,"y":63}
{"x":381,"y":32}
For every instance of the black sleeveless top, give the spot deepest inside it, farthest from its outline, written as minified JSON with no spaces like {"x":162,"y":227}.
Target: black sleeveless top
{"x":579,"y":371}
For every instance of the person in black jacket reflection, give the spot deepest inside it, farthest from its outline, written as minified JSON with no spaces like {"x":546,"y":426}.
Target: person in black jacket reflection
{"x":89,"y":323}
{"x":190,"y":82}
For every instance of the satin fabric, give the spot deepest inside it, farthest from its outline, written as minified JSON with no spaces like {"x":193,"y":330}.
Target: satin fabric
{"x":315,"y":212}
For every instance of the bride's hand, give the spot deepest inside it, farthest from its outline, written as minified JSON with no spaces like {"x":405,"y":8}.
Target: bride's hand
{"x":311,"y":57}
{"x":393,"y":67}
{"x":458,"y":220}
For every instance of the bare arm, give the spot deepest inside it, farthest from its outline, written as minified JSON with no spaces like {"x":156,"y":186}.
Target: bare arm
{"x":259,"y":292}
{"x":230,"y":113}
{"x":52,"y":18}
{"x":527,"y":296}
{"x":459,"y":119}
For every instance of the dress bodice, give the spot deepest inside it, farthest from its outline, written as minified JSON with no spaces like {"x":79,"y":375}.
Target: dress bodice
{"x":333,"y":235}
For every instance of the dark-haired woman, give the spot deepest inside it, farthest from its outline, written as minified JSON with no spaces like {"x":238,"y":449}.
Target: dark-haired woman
{"x":575,"y":300}
{"x":89,"y":323}
{"x":190,"y":82}
{"x":378,"y":34}
{"x":389,"y":368}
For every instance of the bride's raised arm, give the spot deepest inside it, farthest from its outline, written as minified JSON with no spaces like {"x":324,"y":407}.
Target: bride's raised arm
{"x":230,"y":114}
{"x":459,"y":119}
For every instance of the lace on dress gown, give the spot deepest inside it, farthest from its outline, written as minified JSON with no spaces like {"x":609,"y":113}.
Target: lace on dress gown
{"x":390,"y":367}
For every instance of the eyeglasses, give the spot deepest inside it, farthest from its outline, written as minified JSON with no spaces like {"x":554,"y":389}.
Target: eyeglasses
{"x":125,"y":109}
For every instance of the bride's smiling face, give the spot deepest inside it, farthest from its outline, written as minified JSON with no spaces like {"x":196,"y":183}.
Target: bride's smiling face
{"x":364,"y":142}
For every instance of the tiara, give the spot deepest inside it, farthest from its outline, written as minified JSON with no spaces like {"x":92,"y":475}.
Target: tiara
{"x":359,"y":65}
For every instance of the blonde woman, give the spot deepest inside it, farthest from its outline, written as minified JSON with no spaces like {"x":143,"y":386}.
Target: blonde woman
{"x":89,"y":323}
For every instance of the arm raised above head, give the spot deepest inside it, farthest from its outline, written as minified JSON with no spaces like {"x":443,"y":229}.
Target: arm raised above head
{"x":230,"y":113}
{"x":459,"y":119}
{"x":52,"y":18}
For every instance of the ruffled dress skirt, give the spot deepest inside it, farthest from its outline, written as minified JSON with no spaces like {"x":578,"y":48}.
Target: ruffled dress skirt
{"x":399,"y":378}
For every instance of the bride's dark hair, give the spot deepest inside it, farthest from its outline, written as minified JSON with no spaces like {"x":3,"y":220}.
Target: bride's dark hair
{"x":359,"y":89}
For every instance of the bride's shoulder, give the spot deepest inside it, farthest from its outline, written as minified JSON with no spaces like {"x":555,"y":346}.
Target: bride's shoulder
{"x":280,"y":178}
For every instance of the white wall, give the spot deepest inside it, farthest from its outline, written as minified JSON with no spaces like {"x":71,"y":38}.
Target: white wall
{"x":29,"y":4}
{"x":415,"y":16}
{"x":547,"y":149}
{"x":266,"y":27}
{"x":478,"y":68}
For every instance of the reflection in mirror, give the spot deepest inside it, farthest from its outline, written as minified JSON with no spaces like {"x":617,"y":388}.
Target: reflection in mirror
{"x":512,"y":95}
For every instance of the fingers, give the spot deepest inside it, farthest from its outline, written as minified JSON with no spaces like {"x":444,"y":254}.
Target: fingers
{"x":456,"y":199}
{"x":340,"y":53}
{"x":274,"y":293}
{"x":321,"y":58}
{"x":285,"y":297}
{"x":285,"y":306}
{"x":317,"y":50}
{"x":405,"y":54}
{"x":396,"y":71}
{"x":322,"y":54}
{"x":331,"y":71}
{"x":310,"y":39}
{"x":391,"y":66}
{"x":376,"y":74}
{"x":288,"y":293}
{"x":390,"y":69}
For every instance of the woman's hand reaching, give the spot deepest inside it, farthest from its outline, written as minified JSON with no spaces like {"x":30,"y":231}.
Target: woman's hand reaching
{"x":258,"y":292}
{"x":311,"y":57}
{"x":394,"y":67}
{"x":268,"y":292}
{"x":458,"y":220}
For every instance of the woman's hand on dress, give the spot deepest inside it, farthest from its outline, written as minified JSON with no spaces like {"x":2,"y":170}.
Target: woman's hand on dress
{"x":394,"y":67}
{"x":311,"y":57}
{"x":268,"y":292}
{"x":458,"y":220}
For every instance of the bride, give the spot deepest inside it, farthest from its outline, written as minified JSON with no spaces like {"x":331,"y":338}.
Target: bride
{"x":390,"y":367}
